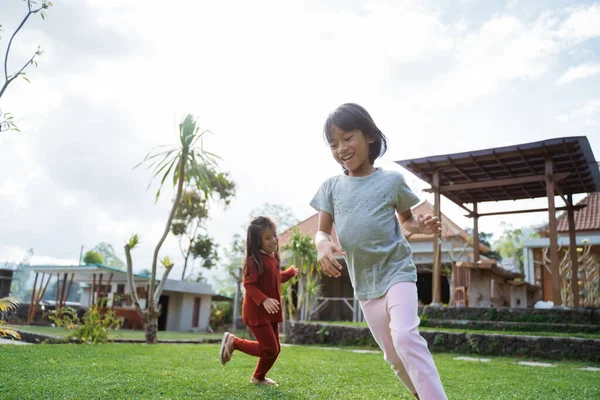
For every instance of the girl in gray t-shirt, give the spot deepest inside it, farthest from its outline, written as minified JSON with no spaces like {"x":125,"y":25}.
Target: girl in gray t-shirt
{"x":363,"y":202}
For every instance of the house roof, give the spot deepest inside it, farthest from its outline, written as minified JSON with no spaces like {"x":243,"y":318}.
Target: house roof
{"x":449,"y":228}
{"x":586,"y":218}
{"x":511,"y":172}
{"x":85,"y":274}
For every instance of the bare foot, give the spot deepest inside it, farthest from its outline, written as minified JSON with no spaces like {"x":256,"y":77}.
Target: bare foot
{"x":266,"y":382}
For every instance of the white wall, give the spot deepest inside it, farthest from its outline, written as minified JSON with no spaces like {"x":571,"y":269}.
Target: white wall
{"x":174,"y":311}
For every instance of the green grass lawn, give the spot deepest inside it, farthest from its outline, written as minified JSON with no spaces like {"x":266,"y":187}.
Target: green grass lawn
{"x":488,"y":331}
{"x":126,"y":334}
{"x":170,"y":371}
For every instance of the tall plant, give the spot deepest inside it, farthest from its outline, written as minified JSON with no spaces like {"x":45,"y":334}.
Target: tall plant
{"x":8,"y":304}
{"x":186,"y":164}
{"x":301,"y":252}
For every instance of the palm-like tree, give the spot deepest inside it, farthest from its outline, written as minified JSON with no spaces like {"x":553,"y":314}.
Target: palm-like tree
{"x":303,"y":254}
{"x":186,"y":164}
{"x":8,"y":304}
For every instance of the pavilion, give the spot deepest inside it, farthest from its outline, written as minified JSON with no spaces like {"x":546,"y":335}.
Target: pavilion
{"x":561,"y":166}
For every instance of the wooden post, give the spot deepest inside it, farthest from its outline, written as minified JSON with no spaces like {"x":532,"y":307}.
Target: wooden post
{"x":40,"y":294}
{"x":475,"y":234}
{"x":108,"y":284}
{"x":573,"y":250}
{"x":69,"y":288}
{"x":553,"y":234}
{"x":62,"y":293}
{"x":56,"y":289}
{"x":436,"y":273}
{"x":92,"y":291}
{"x":98,"y":290}
{"x":33,"y":298}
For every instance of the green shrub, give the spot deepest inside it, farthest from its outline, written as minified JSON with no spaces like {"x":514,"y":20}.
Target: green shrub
{"x":92,"y":328}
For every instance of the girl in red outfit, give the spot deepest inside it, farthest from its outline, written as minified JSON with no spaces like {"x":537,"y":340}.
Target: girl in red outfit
{"x":261,"y":311}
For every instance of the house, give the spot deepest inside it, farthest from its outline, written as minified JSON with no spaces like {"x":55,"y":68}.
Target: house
{"x":185,"y":305}
{"x":485,"y":284}
{"x":587,"y":236}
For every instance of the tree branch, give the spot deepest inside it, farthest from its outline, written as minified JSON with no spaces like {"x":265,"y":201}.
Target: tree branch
{"x":134,"y":297}
{"x":159,"y":289}
{"x":181,"y":175}
{"x":15,"y":76}
{"x":17,"y":31}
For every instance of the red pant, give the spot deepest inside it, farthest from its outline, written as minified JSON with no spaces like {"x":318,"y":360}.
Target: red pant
{"x":266,"y":347}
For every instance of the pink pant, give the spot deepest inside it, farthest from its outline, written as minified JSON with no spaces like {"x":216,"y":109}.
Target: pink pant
{"x":394,"y":322}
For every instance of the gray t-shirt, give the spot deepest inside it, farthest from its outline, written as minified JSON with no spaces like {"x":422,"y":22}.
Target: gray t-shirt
{"x":363,"y":210}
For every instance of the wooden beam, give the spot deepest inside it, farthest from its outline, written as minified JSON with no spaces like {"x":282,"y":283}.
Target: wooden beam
{"x":69,"y":288}
{"x":553,"y":233}
{"x":57,"y":289}
{"x":475,"y":234}
{"x":532,"y":210}
{"x":64,"y":287}
{"x":92,"y":291}
{"x":499,"y":182}
{"x":98,"y":289}
{"x":573,"y":251}
{"x":33,"y":298}
{"x":437,"y":268}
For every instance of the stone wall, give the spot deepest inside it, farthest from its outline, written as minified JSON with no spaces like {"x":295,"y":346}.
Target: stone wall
{"x":467,"y":343}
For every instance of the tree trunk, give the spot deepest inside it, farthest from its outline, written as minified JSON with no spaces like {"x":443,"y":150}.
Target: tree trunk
{"x":236,"y":306}
{"x":151,"y":328}
{"x":298,"y":314}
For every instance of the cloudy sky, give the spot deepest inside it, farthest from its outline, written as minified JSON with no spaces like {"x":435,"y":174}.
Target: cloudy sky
{"x":117,"y":76}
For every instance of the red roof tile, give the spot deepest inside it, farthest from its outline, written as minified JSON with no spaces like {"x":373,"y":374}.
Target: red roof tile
{"x":586,"y":219}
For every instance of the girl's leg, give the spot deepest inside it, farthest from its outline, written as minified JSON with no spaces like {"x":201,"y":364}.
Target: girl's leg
{"x":266,"y":347}
{"x":402,"y":305}
{"x":378,"y":319}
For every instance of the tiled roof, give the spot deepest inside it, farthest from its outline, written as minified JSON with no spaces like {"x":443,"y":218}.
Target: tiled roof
{"x":586,"y":219}
{"x":449,"y":228}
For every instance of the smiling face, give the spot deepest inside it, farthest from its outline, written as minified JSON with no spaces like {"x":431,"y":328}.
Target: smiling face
{"x":268,"y":241}
{"x":351,"y":150}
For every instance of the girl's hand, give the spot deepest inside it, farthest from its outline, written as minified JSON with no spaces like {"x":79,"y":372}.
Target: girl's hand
{"x":325,"y":256}
{"x":429,"y":224}
{"x":271,"y":305}
{"x":294,"y":270}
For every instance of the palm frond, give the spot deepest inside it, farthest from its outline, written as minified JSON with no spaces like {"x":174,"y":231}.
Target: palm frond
{"x":8,"y":332}
{"x":9,"y":304}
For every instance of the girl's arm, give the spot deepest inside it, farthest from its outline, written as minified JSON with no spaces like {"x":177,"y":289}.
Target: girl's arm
{"x":326,"y":248}
{"x":427,"y":224}
{"x":251,"y":286}
{"x":288,"y":274}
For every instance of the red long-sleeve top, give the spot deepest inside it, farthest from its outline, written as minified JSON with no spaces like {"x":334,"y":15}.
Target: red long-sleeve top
{"x":261,"y":287}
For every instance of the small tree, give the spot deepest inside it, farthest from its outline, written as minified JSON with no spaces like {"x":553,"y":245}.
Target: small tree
{"x":234,"y":268}
{"x":281,"y":215}
{"x":34,"y":7}
{"x":301,"y":252}
{"x":109,"y":256}
{"x":188,"y":163}
{"x":93,"y":257}
{"x":188,"y":223}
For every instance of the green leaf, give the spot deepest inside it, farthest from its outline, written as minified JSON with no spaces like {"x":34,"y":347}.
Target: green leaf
{"x":27,"y":79}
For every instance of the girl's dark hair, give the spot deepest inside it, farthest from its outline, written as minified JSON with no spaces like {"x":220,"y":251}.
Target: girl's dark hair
{"x":351,"y":116}
{"x":253,"y":239}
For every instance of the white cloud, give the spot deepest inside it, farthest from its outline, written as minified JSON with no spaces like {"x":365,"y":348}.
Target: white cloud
{"x":579,"y":72}
{"x":117,"y":76}
{"x":586,"y":114}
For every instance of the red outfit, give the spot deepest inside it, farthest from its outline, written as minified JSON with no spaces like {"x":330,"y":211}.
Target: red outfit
{"x":263,"y":325}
